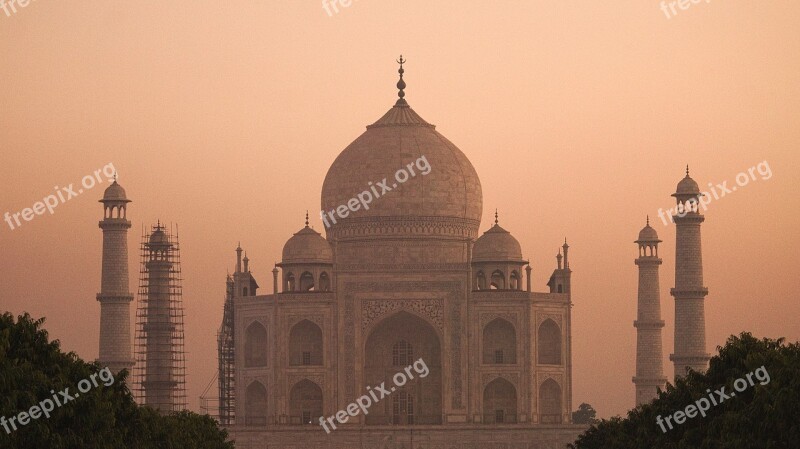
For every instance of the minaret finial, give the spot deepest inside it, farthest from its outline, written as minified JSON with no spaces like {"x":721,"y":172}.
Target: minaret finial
{"x":495,"y":216}
{"x":401,"y":84}
{"x":115,"y":176}
{"x":306,"y":218}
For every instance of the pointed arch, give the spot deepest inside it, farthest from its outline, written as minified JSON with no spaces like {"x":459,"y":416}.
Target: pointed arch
{"x":305,"y":344}
{"x":549,"y":343}
{"x":418,"y":342}
{"x":255,"y":345}
{"x":305,"y":403}
{"x":306,"y":282}
{"x":480,"y":281}
{"x":499,"y":342}
{"x":324,"y":282}
{"x":499,"y":402}
{"x":550,"y":402}
{"x":290,"y":282}
{"x":498,"y":281}
{"x":255,"y":404}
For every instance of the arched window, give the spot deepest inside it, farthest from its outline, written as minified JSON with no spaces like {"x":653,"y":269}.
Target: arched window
{"x":549,"y":343}
{"x":560,"y":288}
{"x":421,"y":342}
{"x":550,"y":402}
{"x":498,"y":280}
{"x":290,"y":282}
{"x":306,"y":282}
{"x":402,"y":408}
{"x":499,"y":343}
{"x":305,"y":344}
{"x":402,"y":353}
{"x":255,"y":346}
{"x":305,"y":403}
{"x":324,"y":282}
{"x":480,"y":280}
{"x":515,"y":284}
{"x":255,"y":405}
{"x":500,"y":402}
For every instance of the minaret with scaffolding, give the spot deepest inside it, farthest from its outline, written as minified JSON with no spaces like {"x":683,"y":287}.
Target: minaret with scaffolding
{"x":241,"y":284}
{"x":160,"y":374}
{"x":226,"y":374}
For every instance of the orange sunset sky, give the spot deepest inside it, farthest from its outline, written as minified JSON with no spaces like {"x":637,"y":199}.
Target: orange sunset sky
{"x":579,"y":118}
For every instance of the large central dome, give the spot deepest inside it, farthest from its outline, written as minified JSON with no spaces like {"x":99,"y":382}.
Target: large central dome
{"x":443,"y":186}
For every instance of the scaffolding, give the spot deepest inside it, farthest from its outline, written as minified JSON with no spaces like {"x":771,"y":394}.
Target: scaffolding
{"x":209,"y":404}
{"x":226,"y":358}
{"x":160,"y":370}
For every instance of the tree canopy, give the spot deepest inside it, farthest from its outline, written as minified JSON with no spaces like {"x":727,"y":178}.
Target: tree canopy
{"x":585,"y":414}
{"x":765,"y":415}
{"x":33,"y":369}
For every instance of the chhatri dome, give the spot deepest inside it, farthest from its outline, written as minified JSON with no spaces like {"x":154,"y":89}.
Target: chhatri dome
{"x":687,"y":186}
{"x":648,"y":234}
{"x":307,"y":246}
{"x":497,"y":245}
{"x":115,"y":192}
{"x":450,"y":190}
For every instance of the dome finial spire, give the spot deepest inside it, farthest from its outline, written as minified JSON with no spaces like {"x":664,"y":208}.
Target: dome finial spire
{"x":687,"y":170}
{"x":401,"y":84}
{"x":306,"y":218}
{"x":648,"y":219}
{"x":495,"y":216}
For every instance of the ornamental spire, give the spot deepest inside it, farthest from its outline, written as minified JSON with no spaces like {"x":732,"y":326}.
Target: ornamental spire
{"x":401,"y":84}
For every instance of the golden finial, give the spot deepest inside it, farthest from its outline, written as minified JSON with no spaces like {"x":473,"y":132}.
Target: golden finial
{"x":401,"y":84}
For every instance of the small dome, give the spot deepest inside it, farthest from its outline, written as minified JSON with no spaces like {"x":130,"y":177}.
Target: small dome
{"x":159,"y":237}
{"x":648,"y":234}
{"x":307,"y":246}
{"x":497,"y":245}
{"x":687,"y":186}
{"x":115,"y":192}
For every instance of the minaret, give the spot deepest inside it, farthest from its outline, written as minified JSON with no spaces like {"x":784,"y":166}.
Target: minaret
{"x":561,"y":278}
{"x":115,"y":296}
{"x":689,"y":292}
{"x":649,"y":366}
{"x":161,"y":364}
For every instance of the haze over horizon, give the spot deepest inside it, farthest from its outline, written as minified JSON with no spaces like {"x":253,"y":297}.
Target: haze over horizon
{"x":579,"y":120}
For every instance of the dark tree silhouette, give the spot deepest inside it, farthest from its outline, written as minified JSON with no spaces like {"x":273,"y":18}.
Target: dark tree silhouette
{"x":33,"y":369}
{"x":765,"y":415}
{"x":585,"y":415}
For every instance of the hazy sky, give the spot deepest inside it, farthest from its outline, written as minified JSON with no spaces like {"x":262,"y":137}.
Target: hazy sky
{"x":579,"y":118}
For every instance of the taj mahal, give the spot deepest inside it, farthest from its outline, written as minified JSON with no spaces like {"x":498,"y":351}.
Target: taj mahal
{"x":412,"y":278}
